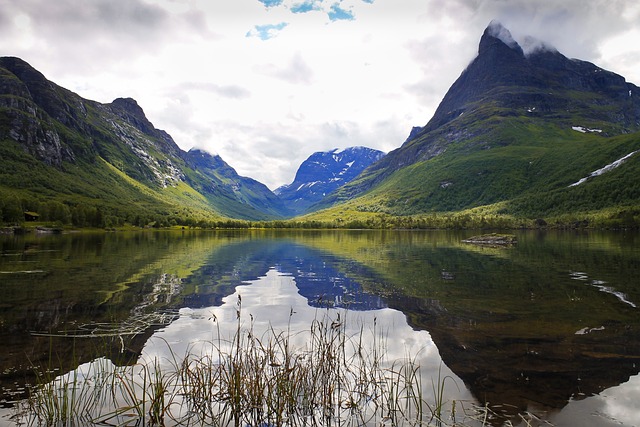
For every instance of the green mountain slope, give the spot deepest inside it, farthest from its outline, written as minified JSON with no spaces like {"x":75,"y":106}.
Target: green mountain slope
{"x":238,"y":197}
{"x":67,"y":159}
{"x":512,"y":134}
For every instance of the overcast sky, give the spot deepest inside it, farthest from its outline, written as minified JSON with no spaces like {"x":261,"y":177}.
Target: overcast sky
{"x":265,"y":83}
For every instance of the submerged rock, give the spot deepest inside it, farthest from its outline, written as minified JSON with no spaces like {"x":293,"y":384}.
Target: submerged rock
{"x":492,"y":239}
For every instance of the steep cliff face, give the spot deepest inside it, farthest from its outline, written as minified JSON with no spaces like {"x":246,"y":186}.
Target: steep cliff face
{"x":23,"y":119}
{"x":543,"y":79}
{"x":56,"y":125}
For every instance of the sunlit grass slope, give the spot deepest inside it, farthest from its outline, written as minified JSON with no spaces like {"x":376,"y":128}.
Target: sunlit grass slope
{"x":519,"y":167}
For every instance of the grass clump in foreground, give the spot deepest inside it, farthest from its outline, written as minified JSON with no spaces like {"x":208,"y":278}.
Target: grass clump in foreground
{"x":254,"y":380}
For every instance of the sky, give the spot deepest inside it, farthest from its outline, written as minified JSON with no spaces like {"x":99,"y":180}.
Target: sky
{"x":266,"y":83}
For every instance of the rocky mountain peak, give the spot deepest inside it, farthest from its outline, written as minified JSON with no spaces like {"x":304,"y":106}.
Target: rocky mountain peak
{"x":43,"y":122}
{"x":516,"y":78}
{"x":197,"y":152}
{"x":508,"y":81}
{"x":130,"y":105}
{"x":47,"y":95}
{"x":129,"y":110}
{"x":204,"y":159}
{"x":29,"y":110}
{"x":496,"y":36}
{"x":23,"y":70}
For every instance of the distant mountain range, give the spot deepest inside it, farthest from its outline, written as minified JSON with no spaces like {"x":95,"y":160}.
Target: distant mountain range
{"x":324,"y":172}
{"x":524,"y":131}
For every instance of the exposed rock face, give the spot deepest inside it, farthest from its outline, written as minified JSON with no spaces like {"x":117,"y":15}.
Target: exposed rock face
{"x":504,"y":75}
{"x":129,"y":110}
{"x":324,"y":172}
{"x":23,"y":119}
{"x":33,"y":105}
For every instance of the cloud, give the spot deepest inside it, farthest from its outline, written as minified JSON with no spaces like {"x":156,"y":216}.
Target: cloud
{"x":334,"y":10}
{"x":93,"y":36}
{"x":268,"y":31}
{"x":72,"y":21}
{"x":297,"y":71}
{"x":574,"y":27}
{"x":531,"y":45}
{"x":225,"y":91}
{"x":271,"y":152}
{"x":267,"y":96}
{"x":5,"y":19}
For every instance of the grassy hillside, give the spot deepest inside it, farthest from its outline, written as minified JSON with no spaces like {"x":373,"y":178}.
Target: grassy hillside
{"x":67,"y":159}
{"x":521,"y":169}
{"x":508,"y":140}
{"x":90,"y":194}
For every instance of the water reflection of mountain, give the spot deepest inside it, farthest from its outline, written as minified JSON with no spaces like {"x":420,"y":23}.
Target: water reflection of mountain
{"x":57,"y":288}
{"x":320,"y":277}
{"x":538,"y":374}
{"x":512,"y":323}
{"x":506,"y":322}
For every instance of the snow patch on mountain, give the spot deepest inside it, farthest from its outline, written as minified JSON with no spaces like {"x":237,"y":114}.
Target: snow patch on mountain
{"x":582,"y":129}
{"x":605,"y":169}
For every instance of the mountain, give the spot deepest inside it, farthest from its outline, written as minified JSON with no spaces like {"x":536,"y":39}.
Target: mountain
{"x":324,"y":172}
{"x":216,"y":179}
{"x":513,"y":133}
{"x":73,"y":160}
{"x":524,"y":133}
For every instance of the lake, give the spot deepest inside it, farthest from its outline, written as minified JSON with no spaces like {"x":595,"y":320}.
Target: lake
{"x":544,"y":331}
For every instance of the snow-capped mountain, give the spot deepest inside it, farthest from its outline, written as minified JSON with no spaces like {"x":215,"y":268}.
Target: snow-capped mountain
{"x":323,"y":173}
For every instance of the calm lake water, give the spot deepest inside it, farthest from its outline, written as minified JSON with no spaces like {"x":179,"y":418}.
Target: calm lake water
{"x":545,"y":331}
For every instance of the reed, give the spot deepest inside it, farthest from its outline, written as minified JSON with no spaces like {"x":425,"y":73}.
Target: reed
{"x":251,"y":378}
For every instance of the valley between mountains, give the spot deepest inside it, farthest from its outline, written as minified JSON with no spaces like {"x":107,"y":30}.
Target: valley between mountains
{"x":525,"y":137}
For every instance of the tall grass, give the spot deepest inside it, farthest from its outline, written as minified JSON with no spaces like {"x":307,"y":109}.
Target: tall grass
{"x":250,"y":379}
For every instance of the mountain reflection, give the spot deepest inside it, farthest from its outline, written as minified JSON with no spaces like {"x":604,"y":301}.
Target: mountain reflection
{"x":518,"y":326}
{"x":508,"y":322}
{"x":324,"y":280}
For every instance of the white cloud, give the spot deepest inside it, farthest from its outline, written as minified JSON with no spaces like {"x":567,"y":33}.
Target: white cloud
{"x":296,"y":71}
{"x":265,"y":103}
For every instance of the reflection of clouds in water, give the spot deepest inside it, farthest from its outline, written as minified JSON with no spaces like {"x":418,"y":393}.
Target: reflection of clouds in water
{"x":615,"y":406}
{"x":270,"y":301}
{"x":622,"y":402}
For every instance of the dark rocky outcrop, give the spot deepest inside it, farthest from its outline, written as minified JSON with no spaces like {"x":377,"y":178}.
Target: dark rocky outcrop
{"x":25,"y":97}
{"x":504,"y":75}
